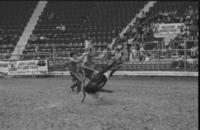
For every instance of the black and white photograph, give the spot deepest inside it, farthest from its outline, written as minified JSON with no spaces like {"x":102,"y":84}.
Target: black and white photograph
{"x":99,"y":65}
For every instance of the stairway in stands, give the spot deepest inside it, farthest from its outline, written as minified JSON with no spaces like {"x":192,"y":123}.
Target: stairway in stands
{"x":107,"y":19}
{"x":28,"y":30}
{"x":71,"y":14}
{"x":14,"y":17}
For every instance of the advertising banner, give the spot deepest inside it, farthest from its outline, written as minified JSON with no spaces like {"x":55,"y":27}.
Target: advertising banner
{"x":168,"y":30}
{"x":4,"y":67}
{"x":30,"y":67}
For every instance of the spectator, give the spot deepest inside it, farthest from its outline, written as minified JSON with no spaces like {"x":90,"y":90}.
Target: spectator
{"x":190,"y":11}
{"x":137,"y":46}
{"x":105,"y":56}
{"x":36,"y":48}
{"x":50,"y":16}
{"x":147,"y":57}
{"x":139,"y":29}
{"x":1,"y":38}
{"x":34,"y":37}
{"x":8,"y":53}
{"x":108,"y":54}
{"x":181,"y":49}
{"x":133,"y":54}
{"x":141,"y":47}
{"x":117,"y":54}
{"x":125,"y":53}
{"x":114,"y":33}
{"x":61,"y":28}
{"x":142,"y":56}
{"x":42,"y":38}
{"x":2,"y":31}
{"x":15,"y":37}
{"x":180,"y":62}
{"x":194,"y":51}
{"x":2,"y":56}
{"x":38,"y":58}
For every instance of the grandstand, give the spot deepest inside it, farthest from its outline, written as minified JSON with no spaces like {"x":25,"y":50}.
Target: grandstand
{"x":96,"y":20}
{"x":13,"y":22}
{"x":61,"y":27}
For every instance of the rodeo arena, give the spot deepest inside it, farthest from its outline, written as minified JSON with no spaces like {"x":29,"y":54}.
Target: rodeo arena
{"x":99,"y":65}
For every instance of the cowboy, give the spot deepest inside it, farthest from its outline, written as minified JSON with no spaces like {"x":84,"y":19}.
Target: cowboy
{"x":75,"y":70}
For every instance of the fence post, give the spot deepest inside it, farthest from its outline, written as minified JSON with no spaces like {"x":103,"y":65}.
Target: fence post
{"x":53,"y":52}
{"x":185,"y":50}
{"x":159,"y":53}
{"x":158,"y":59}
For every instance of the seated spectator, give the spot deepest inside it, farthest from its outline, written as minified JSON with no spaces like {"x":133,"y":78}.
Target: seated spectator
{"x":36,"y":49}
{"x":42,"y":38}
{"x":50,"y":16}
{"x":147,"y":57}
{"x":1,"y":38}
{"x":181,"y":49}
{"x":144,"y":25}
{"x":2,"y":56}
{"x":34,"y":37}
{"x":7,"y":54}
{"x":133,"y":54}
{"x":179,"y":63}
{"x":114,"y":32}
{"x":15,"y":37}
{"x":38,"y":58}
{"x":117,"y":54}
{"x":88,"y":44}
{"x":194,"y":51}
{"x":105,"y":56}
{"x":125,"y":53}
{"x":190,"y":10}
{"x":2,"y":31}
{"x":141,"y":47}
{"x":142,"y":56}
{"x":61,"y":28}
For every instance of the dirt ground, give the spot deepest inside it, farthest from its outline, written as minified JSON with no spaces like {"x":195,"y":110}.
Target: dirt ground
{"x":138,"y":103}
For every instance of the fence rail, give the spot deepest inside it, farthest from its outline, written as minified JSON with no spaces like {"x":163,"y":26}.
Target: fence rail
{"x":153,"y":60}
{"x":158,"y":60}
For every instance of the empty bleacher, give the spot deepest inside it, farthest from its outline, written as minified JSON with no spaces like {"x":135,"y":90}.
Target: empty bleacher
{"x":100,"y":21}
{"x":14,"y":17}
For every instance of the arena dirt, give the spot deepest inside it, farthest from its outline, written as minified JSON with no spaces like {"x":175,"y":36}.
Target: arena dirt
{"x":136,"y":104}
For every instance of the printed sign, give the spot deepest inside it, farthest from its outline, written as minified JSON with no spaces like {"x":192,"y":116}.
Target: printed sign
{"x":168,"y":30}
{"x":4,"y":67}
{"x":31,"y":67}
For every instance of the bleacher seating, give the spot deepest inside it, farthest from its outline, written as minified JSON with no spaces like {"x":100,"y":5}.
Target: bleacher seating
{"x":14,"y":17}
{"x":170,"y":7}
{"x":100,"y":21}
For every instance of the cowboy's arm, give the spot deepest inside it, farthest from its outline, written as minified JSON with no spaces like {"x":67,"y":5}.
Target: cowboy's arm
{"x":72,"y":59}
{"x":100,"y":56}
{"x":80,"y":58}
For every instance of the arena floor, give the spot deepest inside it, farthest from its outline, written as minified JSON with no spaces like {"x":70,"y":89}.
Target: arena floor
{"x":138,"y":103}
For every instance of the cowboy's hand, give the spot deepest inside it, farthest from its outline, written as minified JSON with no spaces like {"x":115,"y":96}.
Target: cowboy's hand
{"x":85,"y":53}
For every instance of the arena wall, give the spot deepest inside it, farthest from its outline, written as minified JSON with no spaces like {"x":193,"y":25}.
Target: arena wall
{"x":140,"y":73}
